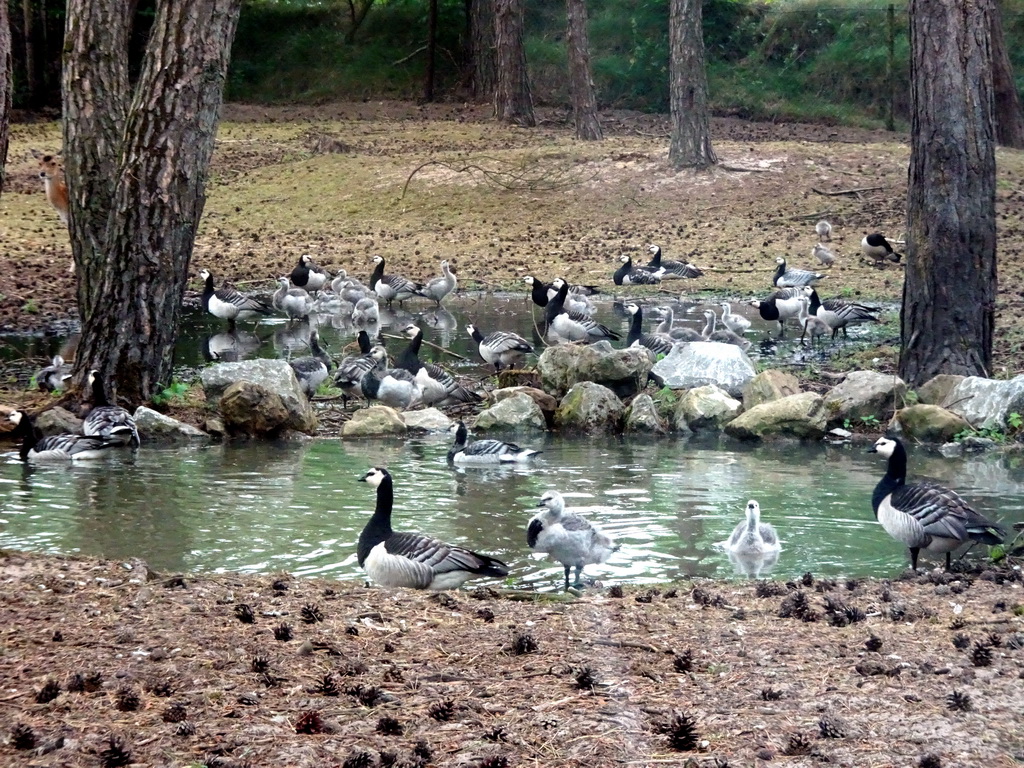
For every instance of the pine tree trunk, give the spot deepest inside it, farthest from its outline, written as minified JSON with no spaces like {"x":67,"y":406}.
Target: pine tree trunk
{"x":158,"y":196}
{"x":513,"y":102}
{"x":584,"y":101}
{"x":482,"y":59}
{"x":688,"y":89}
{"x":6,"y":89}
{"x":428,"y":80}
{"x":950,"y":287}
{"x":1009,"y":117}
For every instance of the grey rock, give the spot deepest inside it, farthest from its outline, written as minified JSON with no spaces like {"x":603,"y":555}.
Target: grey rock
{"x":936,"y":390}
{"x":927,"y":423}
{"x":624,"y":371}
{"x":251,"y":409}
{"x":275,"y":376}
{"x":375,"y":420}
{"x":986,"y":403}
{"x":520,"y":411}
{"x":155,"y":427}
{"x":542,"y":398}
{"x":801,"y":416}
{"x":951,"y":450}
{"x":701,"y":362}
{"x":977,"y":444}
{"x":643,"y":416}
{"x":58,"y":421}
{"x":427,"y":420}
{"x":864,"y":393}
{"x":706,"y":408}
{"x":769,"y":385}
{"x":589,"y":407}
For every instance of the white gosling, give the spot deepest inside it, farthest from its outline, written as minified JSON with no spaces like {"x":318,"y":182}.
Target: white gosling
{"x":925,"y":516}
{"x":568,"y":538}
{"x":485,"y":451}
{"x":823,"y":254}
{"x":738,"y":324}
{"x":53,"y":377}
{"x":668,"y":327}
{"x":439,"y":288}
{"x":413,"y":560}
{"x":812,"y":325}
{"x":296,"y":303}
{"x":752,"y":536}
{"x":722,"y":335}
{"x":824,"y":230}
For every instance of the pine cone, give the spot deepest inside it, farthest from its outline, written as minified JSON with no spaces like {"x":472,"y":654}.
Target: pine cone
{"x":23,"y":737}
{"x":126,"y":699}
{"x":175,"y":713}
{"x":115,"y":754}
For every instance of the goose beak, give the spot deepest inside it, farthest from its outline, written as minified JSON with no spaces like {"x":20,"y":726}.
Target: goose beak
{"x":872,"y":449}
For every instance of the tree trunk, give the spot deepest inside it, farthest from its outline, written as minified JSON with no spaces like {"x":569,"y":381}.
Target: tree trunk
{"x":950,"y":287}
{"x":688,"y":89}
{"x":1009,"y":117}
{"x":584,"y":101}
{"x":428,"y":85}
{"x":31,"y":83}
{"x":6,"y":88}
{"x":137,"y":286}
{"x":513,"y":102}
{"x":482,"y":60}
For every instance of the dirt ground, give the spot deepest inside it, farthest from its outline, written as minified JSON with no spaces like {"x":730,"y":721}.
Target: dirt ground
{"x":105,"y":663}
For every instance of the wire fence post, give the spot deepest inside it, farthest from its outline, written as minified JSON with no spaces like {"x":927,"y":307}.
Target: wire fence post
{"x":890,"y":71}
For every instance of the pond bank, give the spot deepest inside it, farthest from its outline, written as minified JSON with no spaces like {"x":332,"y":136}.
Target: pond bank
{"x":196,"y":669}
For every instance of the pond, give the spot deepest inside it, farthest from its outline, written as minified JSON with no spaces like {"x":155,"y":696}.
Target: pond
{"x":299,"y":506}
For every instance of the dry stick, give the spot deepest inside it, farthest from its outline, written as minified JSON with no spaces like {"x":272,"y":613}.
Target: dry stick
{"x":839,"y":192}
{"x":736,"y":168}
{"x":428,"y":343}
{"x":628,"y":644}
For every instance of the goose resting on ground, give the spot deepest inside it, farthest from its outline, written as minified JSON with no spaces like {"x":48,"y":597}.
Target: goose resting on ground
{"x":413,"y":560}
{"x":925,"y":516}
{"x":670,"y":269}
{"x":485,"y":451}
{"x":567,"y":537}
{"x":627,"y":274}
{"x":500,"y":348}
{"x":110,"y":422}
{"x":56,"y":448}
{"x":792,"y":278}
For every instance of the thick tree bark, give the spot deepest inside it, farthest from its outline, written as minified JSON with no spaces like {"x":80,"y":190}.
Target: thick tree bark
{"x":950,"y":288}
{"x":584,"y":100}
{"x":6,"y":88}
{"x":137,"y":286}
{"x":482,"y":59}
{"x":513,"y":102}
{"x":1009,"y":116}
{"x":688,"y":88}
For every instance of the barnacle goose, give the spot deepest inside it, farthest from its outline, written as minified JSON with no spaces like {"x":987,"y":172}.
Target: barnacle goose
{"x":484,"y":451}
{"x":722,"y":335}
{"x":395,"y":387}
{"x":575,"y":300}
{"x":296,"y":303}
{"x":670,"y":269}
{"x":823,"y":230}
{"x":500,"y":348}
{"x":391,"y":287}
{"x":312,"y":371}
{"x":627,"y":274}
{"x":878,"y":248}
{"x":658,"y":343}
{"x":925,"y":516}
{"x":413,"y":560}
{"x":349,"y":374}
{"x":738,"y":324}
{"x":111,"y":422}
{"x":665,"y":327}
{"x":791,"y":278}
{"x":573,"y":326}
{"x":823,"y":254}
{"x":568,"y":538}
{"x":52,"y":377}
{"x":439,"y":288}
{"x":839,"y":313}
{"x":752,"y":536}
{"x":780,"y":306}
{"x":227,"y":303}
{"x":811,"y":324}
{"x":308,"y":276}
{"x":56,"y":448}
{"x":366,"y":311}
{"x":437,"y":386}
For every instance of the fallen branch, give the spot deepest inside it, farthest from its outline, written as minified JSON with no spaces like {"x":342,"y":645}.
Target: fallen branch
{"x":628,"y":644}
{"x":404,"y":59}
{"x":737,"y":168}
{"x":839,"y":192}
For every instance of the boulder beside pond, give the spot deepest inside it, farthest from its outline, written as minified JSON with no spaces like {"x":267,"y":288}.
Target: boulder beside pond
{"x":372,"y":421}
{"x":706,"y":408}
{"x":697,"y":363}
{"x":987,"y":403}
{"x":769,"y":385}
{"x":642,"y":416}
{"x":590,"y":407}
{"x":274,"y":376}
{"x":58,"y":421}
{"x":936,"y":390}
{"x":520,"y":411}
{"x":253,"y":410}
{"x":426,"y":420}
{"x":801,"y":416}
{"x":155,"y":427}
{"x":864,"y":394}
{"x":623,"y":371}
{"x":927,"y":423}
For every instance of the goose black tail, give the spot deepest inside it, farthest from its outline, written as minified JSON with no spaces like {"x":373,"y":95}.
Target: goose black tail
{"x":988,"y":534}
{"x":488,"y":566}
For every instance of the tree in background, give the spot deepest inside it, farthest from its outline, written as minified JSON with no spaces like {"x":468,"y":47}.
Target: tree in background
{"x":480,"y":53}
{"x":6,"y":87}
{"x":690,"y":146}
{"x":513,"y":102}
{"x":1009,"y":117}
{"x":136,"y":165}
{"x":584,"y":101}
{"x":949,"y":292}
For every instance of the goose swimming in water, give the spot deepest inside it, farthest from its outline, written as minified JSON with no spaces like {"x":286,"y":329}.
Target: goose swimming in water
{"x":414,"y":560}
{"x":110,"y":422}
{"x":658,"y":343}
{"x":925,"y":516}
{"x":485,"y":451}
{"x":37,"y":449}
{"x":568,"y":538}
{"x":752,"y":536}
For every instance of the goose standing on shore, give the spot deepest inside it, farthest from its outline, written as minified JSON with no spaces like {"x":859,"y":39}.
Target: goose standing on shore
{"x":37,"y":449}
{"x":877,"y":248}
{"x":349,"y":374}
{"x":568,"y":538}
{"x":485,"y":451}
{"x":925,"y":516}
{"x":780,"y":306}
{"x":439,"y":288}
{"x":110,"y":422}
{"x":228,"y":304}
{"x":313,"y":370}
{"x":573,"y":326}
{"x":823,"y":230}
{"x":437,"y":386}
{"x":500,"y":348}
{"x":627,"y":274}
{"x":413,"y":560}
{"x":296,"y":303}
{"x":839,"y":313}
{"x":391,"y":287}
{"x":785,"y":277}
{"x":668,"y":268}
{"x":308,"y":276}
{"x":658,"y":343}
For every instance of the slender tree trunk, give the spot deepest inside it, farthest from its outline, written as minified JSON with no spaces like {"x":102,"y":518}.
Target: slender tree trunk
{"x":428,"y":85}
{"x":688,"y":88}
{"x":1009,"y":117}
{"x":513,"y":102}
{"x":950,"y":287}
{"x":482,"y":58}
{"x":584,"y":101}
{"x":158,"y":195}
{"x":31,"y":82}
{"x":6,"y":88}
